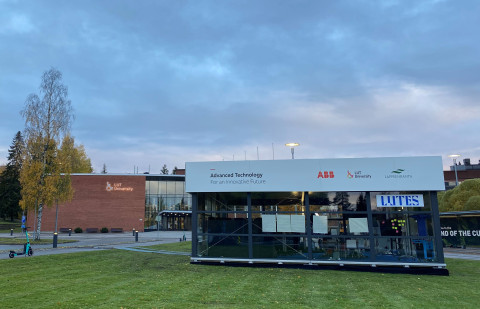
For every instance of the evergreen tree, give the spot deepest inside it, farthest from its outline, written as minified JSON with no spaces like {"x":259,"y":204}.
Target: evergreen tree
{"x":164,"y":170}
{"x":361,"y":203}
{"x":104,"y":168}
{"x":342,"y":200}
{"x":10,"y":189}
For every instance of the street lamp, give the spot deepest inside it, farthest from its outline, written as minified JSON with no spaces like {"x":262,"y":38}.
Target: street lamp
{"x":454,"y":157}
{"x":292,"y":146}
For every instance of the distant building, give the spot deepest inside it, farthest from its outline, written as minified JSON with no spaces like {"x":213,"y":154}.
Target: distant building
{"x":144,"y":202}
{"x":179,"y":171}
{"x":464,"y":171}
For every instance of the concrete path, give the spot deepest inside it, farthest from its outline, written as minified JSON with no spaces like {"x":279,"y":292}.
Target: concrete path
{"x":94,"y":241}
{"x":465,"y":254}
{"x":126,"y":241}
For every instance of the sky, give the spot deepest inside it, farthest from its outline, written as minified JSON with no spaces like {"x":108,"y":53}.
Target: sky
{"x":169,"y":82}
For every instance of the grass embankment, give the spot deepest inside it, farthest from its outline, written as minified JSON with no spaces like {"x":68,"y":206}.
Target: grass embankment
{"x":6,"y":226}
{"x":184,"y":246}
{"x":116,"y":279}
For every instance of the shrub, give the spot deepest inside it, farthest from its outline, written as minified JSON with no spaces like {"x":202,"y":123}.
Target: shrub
{"x":78,"y":230}
{"x":104,"y":230}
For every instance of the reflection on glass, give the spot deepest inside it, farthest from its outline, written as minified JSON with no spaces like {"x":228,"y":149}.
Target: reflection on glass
{"x":399,"y":224}
{"x":280,"y":247}
{"x":340,"y":248}
{"x":223,"y":201}
{"x":278,"y":201}
{"x":404,"y":250}
{"x":170,"y":187}
{"x":221,"y":223}
{"x":179,"y":187}
{"x":222,"y":246}
{"x":338,"y":201}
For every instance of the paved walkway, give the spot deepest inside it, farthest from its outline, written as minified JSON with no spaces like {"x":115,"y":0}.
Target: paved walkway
{"x":126,"y":241}
{"x":465,"y":254}
{"x":95,"y":241}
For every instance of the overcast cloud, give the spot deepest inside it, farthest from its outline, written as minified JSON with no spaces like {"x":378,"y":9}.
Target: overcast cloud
{"x":165,"y":82}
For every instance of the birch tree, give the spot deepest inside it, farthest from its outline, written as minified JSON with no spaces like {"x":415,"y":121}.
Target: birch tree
{"x":48,"y":118}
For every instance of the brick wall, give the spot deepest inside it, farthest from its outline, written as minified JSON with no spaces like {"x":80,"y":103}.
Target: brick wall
{"x":116,"y":201}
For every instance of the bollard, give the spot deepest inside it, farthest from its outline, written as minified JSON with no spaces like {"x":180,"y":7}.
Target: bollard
{"x":11,"y":232}
{"x":136,"y":236}
{"x":133,"y":232}
{"x":69,"y":232}
{"x":55,"y":236}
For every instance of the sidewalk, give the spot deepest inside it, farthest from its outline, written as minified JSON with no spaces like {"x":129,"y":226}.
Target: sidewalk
{"x":465,"y":254}
{"x":94,"y":241}
{"x":100,"y":241}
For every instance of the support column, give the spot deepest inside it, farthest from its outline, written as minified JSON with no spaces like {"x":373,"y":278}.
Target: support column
{"x":437,"y":231}
{"x":250,"y":225}
{"x":194,"y":224}
{"x":371,"y":237}
{"x":309,"y":226}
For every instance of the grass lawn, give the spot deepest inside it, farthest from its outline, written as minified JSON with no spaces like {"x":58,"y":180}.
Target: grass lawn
{"x":125,"y":279}
{"x":5,"y":226}
{"x":184,"y":246}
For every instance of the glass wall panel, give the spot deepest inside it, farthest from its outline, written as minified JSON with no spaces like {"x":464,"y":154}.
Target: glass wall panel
{"x":162,"y":195}
{"x":392,"y":249}
{"x":223,"y":201}
{"x":235,"y":246}
{"x":170,"y":187}
{"x":153,"y":187}
{"x":333,"y":249}
{"x":278,"y":201}
{"x":222,"y":223}
{"x":400,"y":224}
{"x":426,"y":201}
{"x":327,"y":223}
{"x":179,"y":187}
{"x":280,"y":247}
{"x":162,"y":187}
{"x":337,"y":201}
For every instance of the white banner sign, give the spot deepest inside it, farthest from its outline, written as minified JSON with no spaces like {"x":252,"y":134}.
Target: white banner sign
{"x":400,"y":200}
{"x":367,"y":174}
{"x":320,"y":224}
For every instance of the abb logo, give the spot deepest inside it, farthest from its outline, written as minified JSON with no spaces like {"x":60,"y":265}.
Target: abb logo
{"x":325,"y":174}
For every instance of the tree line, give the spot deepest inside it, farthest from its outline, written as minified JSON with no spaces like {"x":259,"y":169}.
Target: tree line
{"x":464,"y":197}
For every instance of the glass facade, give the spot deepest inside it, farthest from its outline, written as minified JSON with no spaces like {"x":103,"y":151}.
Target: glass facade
{"x":167,"y":206}
{"x":316,"y":226}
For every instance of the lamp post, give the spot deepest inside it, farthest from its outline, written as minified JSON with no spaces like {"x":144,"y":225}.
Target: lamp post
{"x":292,"y":147}
{"x":454,"y":157}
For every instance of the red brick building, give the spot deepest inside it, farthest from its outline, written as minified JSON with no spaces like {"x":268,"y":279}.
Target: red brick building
{"x":111,"y":201}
